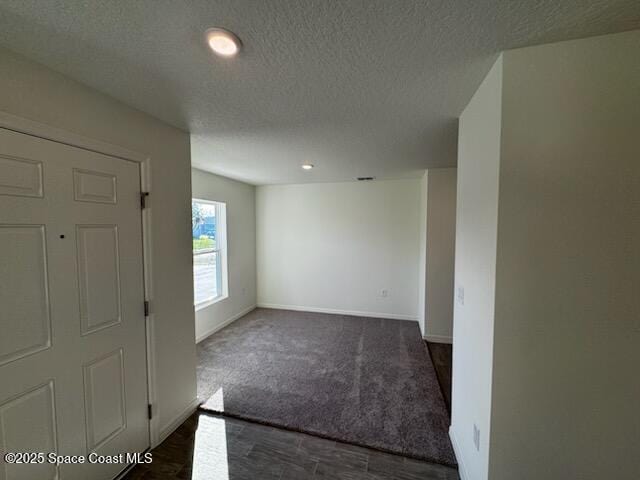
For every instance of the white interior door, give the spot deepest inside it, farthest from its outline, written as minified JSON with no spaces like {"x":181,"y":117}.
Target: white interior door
{"x":72,"y":327}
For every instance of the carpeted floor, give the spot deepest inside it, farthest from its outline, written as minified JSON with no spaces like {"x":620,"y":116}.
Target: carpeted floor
{"x":364,"y":381}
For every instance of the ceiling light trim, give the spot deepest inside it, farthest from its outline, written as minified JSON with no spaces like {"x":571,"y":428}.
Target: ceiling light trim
{"x":222,"y":42}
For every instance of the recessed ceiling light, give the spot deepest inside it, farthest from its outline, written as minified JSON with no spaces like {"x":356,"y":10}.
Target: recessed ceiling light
{"x":223,"y":42}
{"x":307,"y":166}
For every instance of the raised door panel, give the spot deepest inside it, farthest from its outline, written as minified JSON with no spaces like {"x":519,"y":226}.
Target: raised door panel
{"x":20,"y":177}
{"x":98,"y":277}
{"x":97,"y":187}
{"x":27,"y":424}
{"x":24,"y":292}
{"x":104,"y":399}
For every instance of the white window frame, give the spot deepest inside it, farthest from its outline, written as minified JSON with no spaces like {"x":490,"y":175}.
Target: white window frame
{"x":222,"y":276}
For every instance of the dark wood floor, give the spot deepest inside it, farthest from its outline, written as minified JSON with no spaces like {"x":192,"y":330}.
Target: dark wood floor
{"x":441,"y":354}
{"x":210,"y":447}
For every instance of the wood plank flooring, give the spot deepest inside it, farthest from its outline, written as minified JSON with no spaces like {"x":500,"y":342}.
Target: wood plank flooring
{"x":211,"y":447}
{"x":441,"y":354}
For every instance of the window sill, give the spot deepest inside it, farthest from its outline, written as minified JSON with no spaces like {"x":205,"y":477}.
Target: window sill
{"x":208,"y":303}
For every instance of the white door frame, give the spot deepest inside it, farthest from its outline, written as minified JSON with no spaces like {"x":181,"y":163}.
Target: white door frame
{"x":48,"y":132}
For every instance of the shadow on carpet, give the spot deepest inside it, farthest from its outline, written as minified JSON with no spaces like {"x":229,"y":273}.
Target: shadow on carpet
{"x":365,"y":381}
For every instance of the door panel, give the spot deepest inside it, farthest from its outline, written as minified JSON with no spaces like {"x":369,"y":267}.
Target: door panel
{"x":20,"y":177}
{"x":27,"y":424}
{"x":94,"y":186}
{"x":72,"y":349}
{"x":99,"y":276}
{"x":104,"y":399}
{"x":26,"y":329}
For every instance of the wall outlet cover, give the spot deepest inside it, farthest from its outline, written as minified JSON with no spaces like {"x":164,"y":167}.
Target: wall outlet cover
{"x":476,"y":436}
{"x":460,"y":294}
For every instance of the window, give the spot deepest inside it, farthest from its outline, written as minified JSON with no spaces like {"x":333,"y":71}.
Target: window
{"x":209,"y":232}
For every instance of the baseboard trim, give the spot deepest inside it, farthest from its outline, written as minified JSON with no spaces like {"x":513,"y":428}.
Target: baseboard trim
{"x":438,"y":339}
{"x":177,"y":421}
{"x":210,"y":332}
{"x":355,"y":313}
{"x":462,"y":471}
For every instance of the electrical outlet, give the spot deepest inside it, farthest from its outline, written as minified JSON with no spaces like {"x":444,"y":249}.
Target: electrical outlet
{"x":384,"y":293}
{"x":476,"y":437}
{"x":244,"y":291}
{"x":460,"y":294}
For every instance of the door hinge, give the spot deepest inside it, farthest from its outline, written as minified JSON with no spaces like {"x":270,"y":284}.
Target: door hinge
{"x":143,"y":199}
{"x":146,"y":308}
{"x":150,"y":411}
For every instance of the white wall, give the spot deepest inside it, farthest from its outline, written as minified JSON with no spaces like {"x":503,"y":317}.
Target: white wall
{"x":440,"y":254}
{"x":554,"y":300}
{"x":566,"y":389}
{"x":422,"y":259}
{"x":34,"y":92}
{"x":241,"y":249}
{"x":335,"y":246}
{"x":475,"y":263}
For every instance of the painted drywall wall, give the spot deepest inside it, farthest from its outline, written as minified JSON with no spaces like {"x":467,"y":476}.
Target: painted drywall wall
{"x":241,"y":249}
{"x":475,"y":260}
{"x":422,"y":259}
{"x":440,"y":254}
{"x":567,"y":317}
{"x":336,"y":246}
{"x":37,"y":93}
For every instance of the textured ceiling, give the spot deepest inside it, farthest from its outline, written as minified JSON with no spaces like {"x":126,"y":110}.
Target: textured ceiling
{"x":358,"y":88}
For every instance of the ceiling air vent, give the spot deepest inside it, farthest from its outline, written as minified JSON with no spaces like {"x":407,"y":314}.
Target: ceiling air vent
{"x":365,"y":179}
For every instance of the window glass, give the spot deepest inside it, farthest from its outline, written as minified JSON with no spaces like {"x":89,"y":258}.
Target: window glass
{"x":208,"y":221}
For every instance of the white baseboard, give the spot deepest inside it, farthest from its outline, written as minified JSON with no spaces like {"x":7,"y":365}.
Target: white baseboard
{"x":462,"y":471}
{"x":334,"y":311}
{"x":438,"y":339}
{"x":177,"y":421}
{"x":220,"y":326}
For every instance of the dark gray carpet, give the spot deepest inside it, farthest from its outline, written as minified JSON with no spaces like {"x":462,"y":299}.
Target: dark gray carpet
{"x":365,"y":381}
